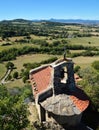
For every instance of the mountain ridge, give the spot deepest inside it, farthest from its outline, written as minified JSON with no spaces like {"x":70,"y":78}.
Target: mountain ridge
{"x":81,"y":21}
{"x":78,"y":21}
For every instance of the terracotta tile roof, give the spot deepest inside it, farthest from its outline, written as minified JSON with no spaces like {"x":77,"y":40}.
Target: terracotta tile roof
{"x":66,"y":104}
{"x":41,"y":79}
{"x":60,"y":104}
{"x":80,"y":99}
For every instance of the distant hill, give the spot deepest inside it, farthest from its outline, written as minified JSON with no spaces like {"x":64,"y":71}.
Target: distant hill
{"x":80,"y":21}
{"x":16,"y":21}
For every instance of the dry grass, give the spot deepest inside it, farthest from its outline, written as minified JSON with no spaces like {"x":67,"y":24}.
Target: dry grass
{"x":16,"y":38}
{"x":38,"y":37}
{"x":76,"y":51}
{"x":85,"y":41}
{"x":16,"y":45}
{"x":30,"y":59}
{"x":2,"y":70}
{"x":85,"y":61}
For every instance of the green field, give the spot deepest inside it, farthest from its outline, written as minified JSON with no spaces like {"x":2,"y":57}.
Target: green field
{"x":94,"y":41}
{"x":85,"y":61}
{"x":30,"y":59}
{"x":15,"y":83}
{"x":76,"y":51}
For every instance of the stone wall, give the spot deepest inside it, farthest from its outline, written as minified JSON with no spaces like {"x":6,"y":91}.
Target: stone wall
{"x":67,"y":120}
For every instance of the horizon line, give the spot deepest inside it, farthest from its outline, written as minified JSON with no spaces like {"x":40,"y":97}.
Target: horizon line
{"x":50,"y":19}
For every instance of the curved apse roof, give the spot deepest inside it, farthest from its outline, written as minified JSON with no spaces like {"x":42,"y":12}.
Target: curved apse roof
{"x":68,"y":105}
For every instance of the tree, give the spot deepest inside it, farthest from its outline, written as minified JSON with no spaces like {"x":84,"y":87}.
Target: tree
{"x":15,"y":75}
{"x":13,"y":112}
{"x":9,"y":65}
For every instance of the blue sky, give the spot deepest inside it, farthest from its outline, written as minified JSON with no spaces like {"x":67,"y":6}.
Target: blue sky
{"x":46,"y":9}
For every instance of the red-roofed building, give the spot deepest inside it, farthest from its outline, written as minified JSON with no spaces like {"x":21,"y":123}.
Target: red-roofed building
{"x":56,"y":95}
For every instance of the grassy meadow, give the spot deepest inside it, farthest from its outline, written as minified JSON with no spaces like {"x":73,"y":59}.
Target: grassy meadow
{"x":84,"y":62}
{"x":29,"y":59}
{"x":85,"y":41}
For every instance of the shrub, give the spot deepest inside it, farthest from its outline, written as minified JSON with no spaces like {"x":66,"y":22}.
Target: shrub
{"x":77,"y":68}
{"x":95,"y":65}
{"x":15,"y":75}
{"x":9,"y":65}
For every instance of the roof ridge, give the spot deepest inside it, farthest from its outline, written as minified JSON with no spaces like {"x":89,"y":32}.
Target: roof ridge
{"x":39,"y":68}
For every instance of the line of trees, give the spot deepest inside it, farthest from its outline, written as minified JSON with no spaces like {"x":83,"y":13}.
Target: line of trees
{"x":85,"y":53}
{"x":54,"y":48}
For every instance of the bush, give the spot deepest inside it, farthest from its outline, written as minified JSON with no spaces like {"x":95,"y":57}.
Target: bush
{"x":76,"y":69}
{"x":15,"y":75}
{"x":9,"y":65}
{"x":95,"y":65}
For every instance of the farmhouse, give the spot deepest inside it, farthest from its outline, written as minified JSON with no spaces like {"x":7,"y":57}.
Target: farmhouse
{"x":57,"y":96}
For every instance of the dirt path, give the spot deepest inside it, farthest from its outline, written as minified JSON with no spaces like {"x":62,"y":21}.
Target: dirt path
{"x":7,"y":74}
